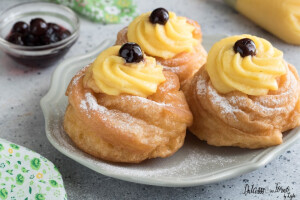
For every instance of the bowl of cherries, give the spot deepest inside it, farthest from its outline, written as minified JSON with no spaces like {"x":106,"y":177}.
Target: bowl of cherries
{"x":38,"y":34}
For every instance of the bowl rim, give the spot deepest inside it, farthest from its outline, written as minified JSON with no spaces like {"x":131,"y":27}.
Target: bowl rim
{"x":47,"y":47}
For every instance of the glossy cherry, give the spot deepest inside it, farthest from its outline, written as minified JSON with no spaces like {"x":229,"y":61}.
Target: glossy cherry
{"x":245,"y":47}
{"x":16,"y":38}
{"x":37,"y":33}
{"x":52,"y":27}
{"x":32,"y":40}
{"x":20,"y":27}
{"x":131,"y":52}
{"x":38,"y":26}
{"x":159,"y":16}
{"x":64,"y":34}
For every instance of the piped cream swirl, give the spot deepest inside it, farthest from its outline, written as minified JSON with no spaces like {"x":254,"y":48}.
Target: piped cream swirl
{"x":110,"y":74}
{"x":253,"y":75}
{"x":164,"y":41}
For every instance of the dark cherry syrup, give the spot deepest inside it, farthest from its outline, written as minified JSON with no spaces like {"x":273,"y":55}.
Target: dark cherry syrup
{"x":38,"y":33}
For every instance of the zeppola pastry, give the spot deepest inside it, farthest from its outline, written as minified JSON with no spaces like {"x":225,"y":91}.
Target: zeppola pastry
{"x":124,"y":108}
{"x":174,"y":41}
{"x":246,"y":95}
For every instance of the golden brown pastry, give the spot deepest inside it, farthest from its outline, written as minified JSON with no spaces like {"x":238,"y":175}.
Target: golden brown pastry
{"x":126,"y":109}
{"x":174,"y":41}
{"x":246,"y":95}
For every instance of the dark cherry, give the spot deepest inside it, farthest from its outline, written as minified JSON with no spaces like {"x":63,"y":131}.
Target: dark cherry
{"x":54,"y":27}
{"x":131,"y":52}
{"x":20,"y":27}
{"x":52,"y":34}
{"x":16,"y":38}
{"x":45,"y":39}
{"x":38,"y":26}
{"x":64,"y":34}
{"x":159,"y":16}
{"x":246,"y":47}
{"x":37,"y":33}
{"x":54,"y":37}
{"x":32,"y":40}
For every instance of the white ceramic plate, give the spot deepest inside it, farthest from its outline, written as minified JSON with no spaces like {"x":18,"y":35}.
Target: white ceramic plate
{"x":196,"y":163}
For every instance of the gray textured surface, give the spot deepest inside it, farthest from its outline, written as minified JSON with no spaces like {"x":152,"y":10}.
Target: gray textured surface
{"x":22,"y":122}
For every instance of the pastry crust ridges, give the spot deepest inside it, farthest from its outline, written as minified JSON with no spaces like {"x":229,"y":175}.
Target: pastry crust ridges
{"x":185,"y":64}
{"x":127,"y":128}
{"x":238,"y":119}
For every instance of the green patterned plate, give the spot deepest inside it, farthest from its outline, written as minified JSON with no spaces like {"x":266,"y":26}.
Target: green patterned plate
{"x":26,"y":175}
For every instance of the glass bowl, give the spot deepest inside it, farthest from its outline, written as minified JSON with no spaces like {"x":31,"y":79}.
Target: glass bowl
{"x":38,"y":56}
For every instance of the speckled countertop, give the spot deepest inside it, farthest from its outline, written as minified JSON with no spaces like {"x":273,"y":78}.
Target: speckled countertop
{"x":22,"y":121}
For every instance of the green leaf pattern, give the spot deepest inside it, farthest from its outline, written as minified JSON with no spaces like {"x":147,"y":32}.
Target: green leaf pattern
{"x":35,"y":164}
{"x":20,"y":179}
{"x":39,"y":197}
{"x":3,"y":193}
{"x":53,"y":183}
{"x":104,"y":11}
{"x":14,"y":146}
{"x":27,"y":175}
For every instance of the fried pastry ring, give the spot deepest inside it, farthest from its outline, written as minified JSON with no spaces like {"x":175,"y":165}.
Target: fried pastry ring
{"x":184,"y":64}
{"x":238,"y":119}
{"x":127,"y":128}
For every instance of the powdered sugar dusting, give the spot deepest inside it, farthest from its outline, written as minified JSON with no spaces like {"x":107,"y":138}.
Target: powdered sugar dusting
{"x":83,"y":105}
{"x":266,"y":110}
{"x":202,"y":89}
{"x":172,"y":69}
{"x":125,"y":120}
{"x":201,"y":86}
{"x":146,"y":101}
{"x":193,"y":159}
{"x":267,"y":105}
{"x":90,"y":103}
{"x":75,"y":80}
{"x":188,"y":162}
{"x":226,"y":107}
{"x":169,"y":86}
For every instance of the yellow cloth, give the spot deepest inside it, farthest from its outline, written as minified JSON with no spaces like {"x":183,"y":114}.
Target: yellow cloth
{"x":280,"y":17}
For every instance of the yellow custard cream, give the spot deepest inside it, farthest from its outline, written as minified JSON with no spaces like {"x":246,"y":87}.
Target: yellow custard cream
{"x":164,"y":41}
{"x":253,"y":75}
{"x":280,"y":17}
{"x":113,"y":76}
